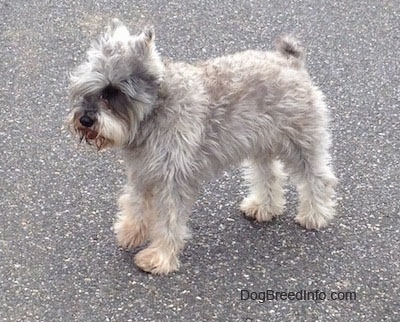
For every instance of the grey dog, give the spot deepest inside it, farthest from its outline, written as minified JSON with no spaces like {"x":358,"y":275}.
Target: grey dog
{"x":179,"y":124}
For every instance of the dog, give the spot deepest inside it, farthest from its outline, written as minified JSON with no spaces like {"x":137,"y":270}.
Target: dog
{"x":179,"y":124}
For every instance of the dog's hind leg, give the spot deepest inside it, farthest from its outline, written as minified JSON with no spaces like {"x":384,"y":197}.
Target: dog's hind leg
{"x":266,"y":180}
{"x":310,"y":168}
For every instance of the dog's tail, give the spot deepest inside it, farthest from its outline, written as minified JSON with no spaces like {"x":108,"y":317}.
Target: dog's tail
{"x":291,"y":49}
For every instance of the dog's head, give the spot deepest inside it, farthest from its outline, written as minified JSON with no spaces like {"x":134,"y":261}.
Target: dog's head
{"x":115,"y":88}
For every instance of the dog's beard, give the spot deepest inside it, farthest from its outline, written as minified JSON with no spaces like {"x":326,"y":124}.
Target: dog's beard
{"x":91,"y":137}
{"x":112,"y":132}
{"x":107,"y":132}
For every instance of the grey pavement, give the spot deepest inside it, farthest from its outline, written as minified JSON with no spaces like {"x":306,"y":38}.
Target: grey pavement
{"x":58,"y":257}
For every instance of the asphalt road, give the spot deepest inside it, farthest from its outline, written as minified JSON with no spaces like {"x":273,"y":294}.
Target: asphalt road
{"x":58,"y":257}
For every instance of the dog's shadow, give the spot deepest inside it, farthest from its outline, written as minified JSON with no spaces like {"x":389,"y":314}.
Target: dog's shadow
{"x":237,"y":241}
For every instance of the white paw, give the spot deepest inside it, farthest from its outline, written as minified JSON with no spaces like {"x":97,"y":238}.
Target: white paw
{"x":130,"y":233}
{"x":156,"y":261}
{"x":260,"y":212}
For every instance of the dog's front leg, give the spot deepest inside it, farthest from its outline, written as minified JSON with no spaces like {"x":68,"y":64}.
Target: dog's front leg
{"x":168,"y":231}
{"x":134,"y":217}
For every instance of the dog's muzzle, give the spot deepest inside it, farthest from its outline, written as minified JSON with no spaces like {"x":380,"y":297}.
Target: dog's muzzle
{"x":84,"y":125}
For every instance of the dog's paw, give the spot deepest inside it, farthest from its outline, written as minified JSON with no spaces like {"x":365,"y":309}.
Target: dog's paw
{"x":129,"y":233}
{"x":317,"y":216}
{"x":156,"y":261}
{"x":310,"y":222}
{"x":313,"y":220}
{"x":254,"y":210}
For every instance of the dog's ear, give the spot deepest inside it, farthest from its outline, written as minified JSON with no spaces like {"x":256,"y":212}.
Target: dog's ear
{"x":115,"y":24}
{"x":148,"y":35}
{"x":117,"y":30}
{"x":144,"y":43}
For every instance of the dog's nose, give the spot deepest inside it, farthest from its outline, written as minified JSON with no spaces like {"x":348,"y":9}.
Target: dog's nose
{"x":86,"y":121}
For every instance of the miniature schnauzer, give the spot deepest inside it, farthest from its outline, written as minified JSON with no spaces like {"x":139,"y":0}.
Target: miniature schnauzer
{"x":179,"y":124}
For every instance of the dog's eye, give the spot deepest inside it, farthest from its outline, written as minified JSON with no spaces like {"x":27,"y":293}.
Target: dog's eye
{"x":109,"y":93}
{"x":108,"y":96}
{"x":105,"y":101}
